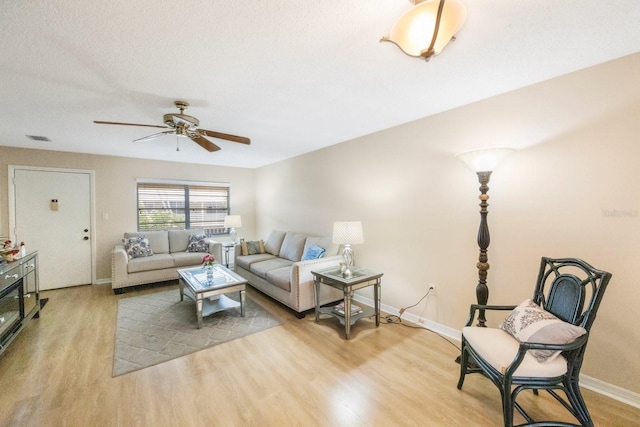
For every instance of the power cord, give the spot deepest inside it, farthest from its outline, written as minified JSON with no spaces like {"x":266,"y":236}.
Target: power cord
{"x":397,"y":319}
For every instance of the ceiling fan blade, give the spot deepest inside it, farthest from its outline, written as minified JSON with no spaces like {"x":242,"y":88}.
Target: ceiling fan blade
{"x":155,"y":135}
{"x":203,"y":142}
{"x":127,"y":124}
{"x":228,"y":137}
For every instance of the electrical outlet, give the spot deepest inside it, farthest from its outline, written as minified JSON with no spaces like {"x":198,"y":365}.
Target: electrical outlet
{"x":433,"y":290}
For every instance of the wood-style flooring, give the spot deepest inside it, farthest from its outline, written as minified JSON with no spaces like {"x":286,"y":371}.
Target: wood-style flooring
{"x":58,"y":373}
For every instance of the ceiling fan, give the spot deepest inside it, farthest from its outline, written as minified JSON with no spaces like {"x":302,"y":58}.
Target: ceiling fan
{"x":184,"y":125}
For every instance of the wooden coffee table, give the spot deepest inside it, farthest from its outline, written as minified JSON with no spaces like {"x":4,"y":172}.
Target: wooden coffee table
{"x":210,"y":296}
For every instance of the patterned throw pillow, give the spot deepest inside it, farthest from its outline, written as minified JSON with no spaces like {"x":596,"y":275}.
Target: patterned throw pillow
{"x":137,"y":247}
{"x":251,"y":247}
{"x":313,"y":252}
{"x":197,"y":243}
{"x":528,"y":322}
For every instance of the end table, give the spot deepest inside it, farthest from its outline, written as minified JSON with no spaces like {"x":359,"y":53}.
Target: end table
{"x":362,"y":278}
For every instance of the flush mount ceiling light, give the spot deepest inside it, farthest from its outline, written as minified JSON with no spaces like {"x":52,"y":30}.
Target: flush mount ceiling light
{"x":427,"y":27}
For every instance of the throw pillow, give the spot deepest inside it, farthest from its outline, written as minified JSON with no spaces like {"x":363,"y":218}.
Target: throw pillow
{"x":251,"y":247}
{"x":137,"y":247}
{"x":528,"y":322}
{"x":313,"y":252}
{"x":197,"y":243}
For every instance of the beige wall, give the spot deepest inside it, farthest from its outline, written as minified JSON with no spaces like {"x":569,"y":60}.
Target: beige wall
{"x":578,"y":152}
{"x":115,"y":190}
{"x":577,"y":158}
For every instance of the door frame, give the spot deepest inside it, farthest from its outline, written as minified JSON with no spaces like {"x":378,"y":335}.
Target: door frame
{"x":92,"y":204}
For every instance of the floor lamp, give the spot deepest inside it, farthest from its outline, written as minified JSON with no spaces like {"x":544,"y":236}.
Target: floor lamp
{"x":483,"y":162}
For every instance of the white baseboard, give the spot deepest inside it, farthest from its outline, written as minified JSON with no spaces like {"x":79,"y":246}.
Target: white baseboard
{"x":614,"y":392}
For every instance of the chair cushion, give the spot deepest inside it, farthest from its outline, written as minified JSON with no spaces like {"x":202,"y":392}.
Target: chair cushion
{"x":499,"y":349}
{"x":528,"y":322}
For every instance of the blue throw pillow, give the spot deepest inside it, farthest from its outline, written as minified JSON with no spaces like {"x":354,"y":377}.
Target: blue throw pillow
{"x":313,"y":252}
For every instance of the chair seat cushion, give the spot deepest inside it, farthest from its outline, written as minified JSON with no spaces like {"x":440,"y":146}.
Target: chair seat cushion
{"x":499,"y":349}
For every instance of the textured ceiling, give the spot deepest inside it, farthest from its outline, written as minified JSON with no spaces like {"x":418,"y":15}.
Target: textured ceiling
{"x":292,"y":76}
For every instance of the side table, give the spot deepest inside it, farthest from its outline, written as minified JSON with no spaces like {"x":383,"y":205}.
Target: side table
{"x":362,"y":278}
{"x":227,"y":247}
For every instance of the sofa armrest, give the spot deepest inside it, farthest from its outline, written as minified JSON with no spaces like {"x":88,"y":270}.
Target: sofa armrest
{"x":215,"y":249}
{"x":119,"y":261}
{"x":301,"y":270}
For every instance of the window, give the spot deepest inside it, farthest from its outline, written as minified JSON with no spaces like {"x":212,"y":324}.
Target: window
{"x":176,"y":205}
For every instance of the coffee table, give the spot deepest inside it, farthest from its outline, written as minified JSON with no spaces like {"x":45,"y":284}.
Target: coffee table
{"x":210,"y":295}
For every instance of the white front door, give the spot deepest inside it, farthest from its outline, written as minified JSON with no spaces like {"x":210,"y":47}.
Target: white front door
{"x":53,"y":216}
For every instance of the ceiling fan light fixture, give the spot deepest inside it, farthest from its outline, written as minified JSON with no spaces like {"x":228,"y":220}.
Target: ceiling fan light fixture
{"x":425,"y":29}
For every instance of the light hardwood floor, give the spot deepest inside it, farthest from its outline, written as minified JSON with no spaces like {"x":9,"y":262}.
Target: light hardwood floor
{"x":58,"y":373}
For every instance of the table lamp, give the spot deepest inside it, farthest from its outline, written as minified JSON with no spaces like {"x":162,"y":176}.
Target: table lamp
{"x":347,"y":233}
{"x":233,"y":221}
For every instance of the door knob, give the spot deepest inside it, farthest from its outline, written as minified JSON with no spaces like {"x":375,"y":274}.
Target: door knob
{"x":86,"y":230}
{"x":86,"y":237}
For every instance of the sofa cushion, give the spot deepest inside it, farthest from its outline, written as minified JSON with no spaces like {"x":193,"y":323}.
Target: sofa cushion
{"x":324,"y":242}
{"x":158,"y":240}
{"x":246,"y":261}
{"x":153,"y":262}
{"x":179,"y":239}
{"x":261,"y":269}
{"x":252,"y":247}
{"x":186,"y":259}
{"x":137,"y":247}
{"x":274,"y":241}
{"x":280,"y":277}
{"x":529,"y":322}
{"x":312,"y":252}
{"x":292,"y":246}
{"x":197,"y":243}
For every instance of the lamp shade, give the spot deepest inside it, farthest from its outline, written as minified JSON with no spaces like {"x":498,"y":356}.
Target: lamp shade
{"x":347,"y":232}
{"x":413,"y":32}
{"x":485,"y":160}
{"x":232,"y":221}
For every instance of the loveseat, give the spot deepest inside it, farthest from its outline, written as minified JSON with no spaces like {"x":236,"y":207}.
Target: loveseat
{"x":155,"y":256}
{"x":281,"y":267}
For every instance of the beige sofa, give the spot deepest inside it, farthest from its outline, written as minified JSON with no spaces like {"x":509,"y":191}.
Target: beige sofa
{"x":169,"y":252}
{"x":278,"y":268}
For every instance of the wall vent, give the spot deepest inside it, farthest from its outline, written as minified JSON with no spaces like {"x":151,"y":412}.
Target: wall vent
{"x":38,"y":138}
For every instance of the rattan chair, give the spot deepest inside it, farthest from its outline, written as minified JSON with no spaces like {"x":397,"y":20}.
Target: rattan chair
{"x":571,"y":290}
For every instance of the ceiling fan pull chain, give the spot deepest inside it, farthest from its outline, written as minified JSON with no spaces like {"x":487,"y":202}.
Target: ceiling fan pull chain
{"x":177,"y":143}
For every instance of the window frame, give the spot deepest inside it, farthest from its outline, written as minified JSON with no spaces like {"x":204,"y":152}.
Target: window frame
{"x":190,"y":189}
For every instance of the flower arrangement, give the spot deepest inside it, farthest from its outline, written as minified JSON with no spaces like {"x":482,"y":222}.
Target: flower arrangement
{"x":208,"y":260}
{"x":8,"y":252}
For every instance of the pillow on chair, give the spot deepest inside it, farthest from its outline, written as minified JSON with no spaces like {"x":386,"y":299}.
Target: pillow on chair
{"x":251,"y":247}
{"x":528,"y":322}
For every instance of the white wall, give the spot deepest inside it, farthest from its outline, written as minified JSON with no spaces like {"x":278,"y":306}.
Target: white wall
{"x":578,"y":151}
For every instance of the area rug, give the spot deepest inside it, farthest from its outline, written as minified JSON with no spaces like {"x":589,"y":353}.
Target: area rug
{"x":158,"y":327}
